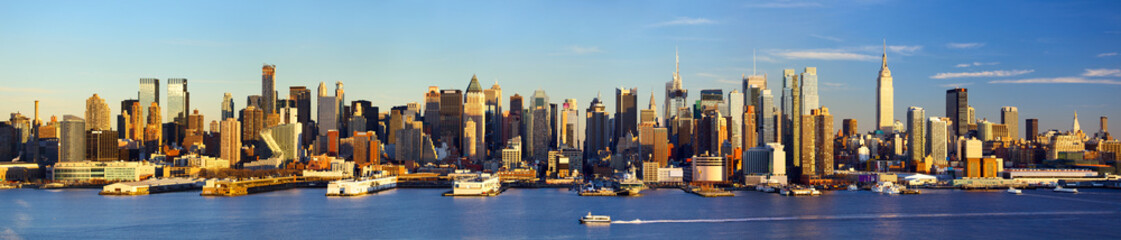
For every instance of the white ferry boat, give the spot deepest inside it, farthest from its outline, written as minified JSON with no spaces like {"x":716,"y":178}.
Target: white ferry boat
{"x":595,"y":219}
{"x":1065,"y":190}
{"x":356,"y":187}
{"x":482,"y":184}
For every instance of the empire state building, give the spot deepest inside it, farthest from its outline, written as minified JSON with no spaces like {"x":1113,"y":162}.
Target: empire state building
{"x":884,"y":97}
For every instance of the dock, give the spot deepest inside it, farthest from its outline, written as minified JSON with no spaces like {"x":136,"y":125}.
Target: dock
{"x":151,"y":186}
{"x":233,"y":188}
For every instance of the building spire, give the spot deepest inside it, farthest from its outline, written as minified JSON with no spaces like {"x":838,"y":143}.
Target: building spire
{"x":1075,"y":128}
{"x":885,"y":53}
{"x":676,"y":61}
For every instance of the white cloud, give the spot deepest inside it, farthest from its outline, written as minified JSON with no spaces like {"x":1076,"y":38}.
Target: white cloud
{"x":830,"y":38}
{"x":1060,"y":80}
{"x":826,"y":55}
{"x":578,"y":50}
{"x":1108,"y":54}
{"x":785,"y":4}
{"x":997,"y":73}
{"x":955,"y":85}
{"x":1102,"y":72}
{"x":964,"y":45}
{"x":904,"y":49}
{"x":684,"y":21}
{"x":974,"y":64}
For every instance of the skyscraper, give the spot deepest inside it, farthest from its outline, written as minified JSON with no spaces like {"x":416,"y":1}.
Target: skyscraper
{"x":1031,"y":128}
{"x":302,"y":96}
{"x":916,"y":134}
{"x":766,"y":121}
{"x":494,"y":120}
{"x":736,"y":110}
{"x":268,"y":89}
{"x":72,"y":143}
{"x":957,"y":109}
{"x":885,"y":97}
{"x":231,"y":140}
{"x":1010,"y":117}
{"x":474,"y":110}
{"x":849,"y":127}
{"x":823,"y":142}
{"x":252,"y":119}
{"x":178,"y":100}
{"x":538,"y":126}
{"x":327,"y":111}
{"x":937,"y":140}
{"x":130,"y":109}
{"x":432,"y":110}
{"x":97,"y":114}
{"x":149,"y":93}
{"x":750,"y":133}
{"x":626,"y":113}
{"x":227,"y":106}
{"x":572,"y":134}
{"x":597,"y":134}
{"x":809,"y":90}
{"x":451,"y":119}
{"x":675,"y":92}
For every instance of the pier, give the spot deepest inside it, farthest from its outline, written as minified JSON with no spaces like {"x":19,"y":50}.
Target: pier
{"x":226,"y":188}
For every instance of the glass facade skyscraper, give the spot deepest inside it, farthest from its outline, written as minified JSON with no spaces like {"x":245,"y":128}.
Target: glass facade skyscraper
{"x":149,"y":93}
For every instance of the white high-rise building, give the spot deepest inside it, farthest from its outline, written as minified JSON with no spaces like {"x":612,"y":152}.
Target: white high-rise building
{"x":766,"y":120}
{"x":937,"y":141}
{"x":736,"y":109}
{"x":916,"y":134}
{"x":474,"y":107}
{"x":885,"y":95}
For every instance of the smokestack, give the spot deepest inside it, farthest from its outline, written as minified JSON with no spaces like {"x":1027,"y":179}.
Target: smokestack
{"x":37,"y":121}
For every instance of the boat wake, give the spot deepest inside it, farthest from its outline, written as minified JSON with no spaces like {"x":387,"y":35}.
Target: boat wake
{"x":864,"y":216}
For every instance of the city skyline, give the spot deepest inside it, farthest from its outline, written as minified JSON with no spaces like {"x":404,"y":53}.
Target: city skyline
{"x":393,"y":70}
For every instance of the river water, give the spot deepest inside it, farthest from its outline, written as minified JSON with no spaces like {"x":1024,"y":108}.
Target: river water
{"x":553,"y":214}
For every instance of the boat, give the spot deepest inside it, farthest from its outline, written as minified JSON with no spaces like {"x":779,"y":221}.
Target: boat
{"x":769,"y":189}
{"x":631,"y":185}
{"x":53,"y":186}
{"x":887,"y":187}
{"x":477,"y":184}
{"x":592,"y":219}
{"x":1065,"y":190}
{"x":799,"y":191}
{"x":814,"y":192}
{"x":853,"y":187}
{"x":357,"y":187}
{"x":1014,"y":190}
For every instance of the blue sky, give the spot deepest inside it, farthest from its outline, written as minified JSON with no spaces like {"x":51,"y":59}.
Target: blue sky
{"x":1048,"y":58}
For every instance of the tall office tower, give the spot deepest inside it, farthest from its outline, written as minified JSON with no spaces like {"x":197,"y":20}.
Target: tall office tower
{"x":231,"y":140}
{"x":823,"y":141}
{"x":149,"y":93}
{"x":451,"y":119}
{"x":136,"y":122}
{"x":937,"y":140}
{"x":789,"y":83}
{"x":370,"y":115}
{"x":252,"y":121}
{"x":809,"y":90}
{"x":538,"y":127}
{"x":97,"y":114}
{"x":708,"y":137}
{"x":572,"y":133}
{"x":1031,"y":128}
{"x":675,"y":93}
{"x":766,"y":120}
{"x":432,"y":110}
{"x":597,"y":133}
{"x":849,"y":127}
{"x":626,"y":113}
{"x":153,"y":131}
{"x":327,"y":111}
{"x":268,"y":88}
{"x":195,"y":124}
{"x":302,"y":96}
{"x":178,"y":100}
{"x":735,"y":110}
{"x":494,"y":120}
{"x":752,"y":87}
{"x":916,"y":134}
{"x":885,"y":97}
{"x":514,"y":126}
{"x":474,"y":110}
{"x":395,"y":123}
{"x":957,"y":109}
{"x":365,"y":149}
{"x":650,"y":114}
{"x":72,"y":143}
{"x":470,"y":148}
{"x":807,"y":148}
{"x":227,"y":106}
{"x":1010,"y":117}
{"x":253,"y":100}
{"x":1103,"y":124}
{"x":101,"y":145}
{"x":750,"y":134}
{"x":795,"y":135}
{"x":125,"y":119}
{"x":710,"y":98}
{"x":342,"y":114}
{"x":972,"y":116}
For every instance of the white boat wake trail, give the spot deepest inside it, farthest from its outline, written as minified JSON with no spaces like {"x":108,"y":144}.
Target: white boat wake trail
{"x":864,"y":216}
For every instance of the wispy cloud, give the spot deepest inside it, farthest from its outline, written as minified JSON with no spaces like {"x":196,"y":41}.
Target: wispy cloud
{"x":1102,"y":72}
{"x":785,"y":4}
{"x":578,"y":50}
{"x":964,"y":45}
{"x":955,"y":85}
{"x":718,"y":78}
{"x":834,"y":86}
{"x":830,"y":38}
{"x":997,"y":73}
{"x":684,"y":21}
{"x":25,"y":90}
{"x":974,"y":64}
{"x":1108,"y":54}
{"x":1059,"y":80}
{"x":826,"y":55}
{"x":861,"y":53}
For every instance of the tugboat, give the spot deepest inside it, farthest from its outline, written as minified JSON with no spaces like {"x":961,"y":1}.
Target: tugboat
{"x":1065,"y":190}
{"x":1014,"y":190}
{"x":591,"y":219}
